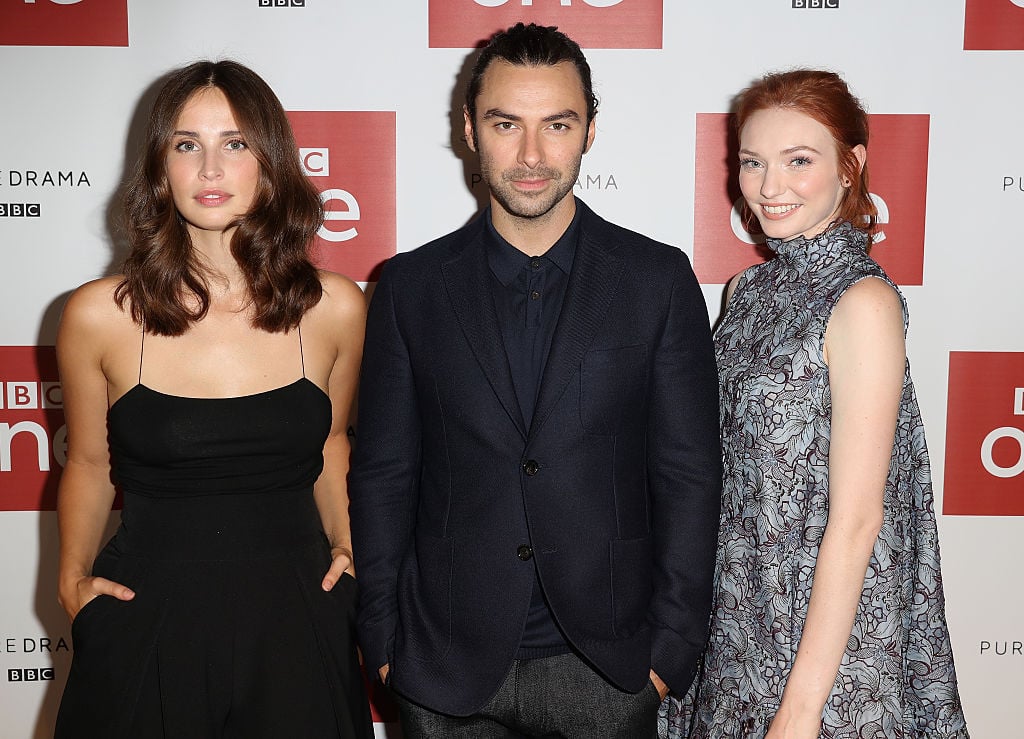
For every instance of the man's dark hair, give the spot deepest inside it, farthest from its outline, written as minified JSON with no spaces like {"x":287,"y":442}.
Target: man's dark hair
{"x":531,"y":45}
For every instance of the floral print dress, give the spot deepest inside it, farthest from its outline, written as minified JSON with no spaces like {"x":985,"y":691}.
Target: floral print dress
{"x":896,"y":679}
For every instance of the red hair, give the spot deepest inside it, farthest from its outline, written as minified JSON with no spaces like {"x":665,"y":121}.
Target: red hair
{"x":824,"y":97}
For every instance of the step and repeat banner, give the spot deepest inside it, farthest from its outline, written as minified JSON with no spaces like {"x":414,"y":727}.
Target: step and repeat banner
{"x":374,"y":90}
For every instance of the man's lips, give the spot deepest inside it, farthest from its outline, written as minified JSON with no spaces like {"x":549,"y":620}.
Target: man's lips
{"x":530,"y":180}
{"x":531,"y":184}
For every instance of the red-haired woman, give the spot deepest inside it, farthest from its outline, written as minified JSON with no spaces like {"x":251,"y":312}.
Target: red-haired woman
{"x":829,"y":615}
{"x":220,"y":366}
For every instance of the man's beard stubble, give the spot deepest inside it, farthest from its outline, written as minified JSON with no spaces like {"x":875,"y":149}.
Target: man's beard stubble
{"x":529,"y":205}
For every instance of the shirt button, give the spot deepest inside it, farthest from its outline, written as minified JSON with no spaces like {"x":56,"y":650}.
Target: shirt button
{"x":530,"y":467}
{"x":535,"y":263}
{"x":534,"y":295}
{"x":524,"y":552}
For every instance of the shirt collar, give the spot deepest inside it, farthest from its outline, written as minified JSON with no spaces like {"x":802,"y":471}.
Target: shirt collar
{"x":506,"y":261}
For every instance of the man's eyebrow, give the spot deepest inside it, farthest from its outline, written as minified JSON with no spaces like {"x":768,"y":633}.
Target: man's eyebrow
{"x":567,"y":114}
{"x":499,"y":113}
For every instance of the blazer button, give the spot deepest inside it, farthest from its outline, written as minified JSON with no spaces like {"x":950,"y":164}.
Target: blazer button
{"x":524,"y":552}
{"x":530,"y":467}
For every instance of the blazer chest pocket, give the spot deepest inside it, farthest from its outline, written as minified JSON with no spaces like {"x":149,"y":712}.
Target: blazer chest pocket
{"x":613,"y":388}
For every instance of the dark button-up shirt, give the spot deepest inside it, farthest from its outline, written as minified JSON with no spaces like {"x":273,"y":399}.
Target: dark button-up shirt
{"x":528,"y":293}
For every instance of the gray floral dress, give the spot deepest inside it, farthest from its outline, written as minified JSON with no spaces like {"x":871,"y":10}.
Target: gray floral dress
{"x":896,"y":680}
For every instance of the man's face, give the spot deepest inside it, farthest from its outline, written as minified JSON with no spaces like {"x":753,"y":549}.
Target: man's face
{"x":531,"y":134}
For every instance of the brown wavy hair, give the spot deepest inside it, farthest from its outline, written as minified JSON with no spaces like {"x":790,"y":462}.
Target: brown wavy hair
{"x":165,"y":282}
{"x":825,"y":97}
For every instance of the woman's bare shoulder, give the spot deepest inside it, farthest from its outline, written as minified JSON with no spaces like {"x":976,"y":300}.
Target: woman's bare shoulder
{"x":871,"y":301}
{"x":94,"y":299}
{"x":92,"y":308}
{"x":342,"y":298}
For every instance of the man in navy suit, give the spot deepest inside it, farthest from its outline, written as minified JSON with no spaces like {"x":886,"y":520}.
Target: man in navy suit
{"x":535,"y":483}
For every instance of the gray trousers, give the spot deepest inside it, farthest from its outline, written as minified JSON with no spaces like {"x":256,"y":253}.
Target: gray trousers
{"x":552,"y":697}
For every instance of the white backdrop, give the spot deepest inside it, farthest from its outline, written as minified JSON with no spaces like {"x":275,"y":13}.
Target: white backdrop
{"x":76,"y":76}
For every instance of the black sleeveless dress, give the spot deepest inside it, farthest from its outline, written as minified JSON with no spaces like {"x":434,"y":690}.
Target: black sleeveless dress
{"x":229,"y":634}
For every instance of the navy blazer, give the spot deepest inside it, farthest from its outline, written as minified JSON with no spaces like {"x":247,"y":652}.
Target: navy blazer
{"x":615,"y":487}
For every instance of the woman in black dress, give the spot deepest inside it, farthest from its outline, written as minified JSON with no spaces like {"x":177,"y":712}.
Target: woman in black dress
{"x":212,"y":381}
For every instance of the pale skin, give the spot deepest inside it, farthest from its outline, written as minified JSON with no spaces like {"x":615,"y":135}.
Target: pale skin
{"x":864,"y":349}
{"x":98,"y":348}
{"x":531,"y":132}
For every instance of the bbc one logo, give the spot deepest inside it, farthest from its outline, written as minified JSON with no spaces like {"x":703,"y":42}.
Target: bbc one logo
{"x":30,"y":674}
{"x":20,"y":210}
{"x":816,"y":4}
{"x":984,"y":473}
{"x":282,"y":3}
{"x":64,"y":23}
{"x":350,"y":158}
{"x":994,"y":25}
{"x":898,"y":161}
{"x":593,"y":24}
{"x":33,"y":437}
{"x":316,"y":162}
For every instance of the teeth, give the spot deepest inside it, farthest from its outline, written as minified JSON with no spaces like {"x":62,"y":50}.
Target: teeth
{"x":776,"y":210}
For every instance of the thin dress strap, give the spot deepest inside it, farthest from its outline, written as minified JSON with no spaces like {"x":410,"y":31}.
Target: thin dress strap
{"x":301,"y":358}
{"x":142,"y":349}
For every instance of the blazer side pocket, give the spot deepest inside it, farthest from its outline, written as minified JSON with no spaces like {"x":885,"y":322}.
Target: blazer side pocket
{"x":631,"y":584}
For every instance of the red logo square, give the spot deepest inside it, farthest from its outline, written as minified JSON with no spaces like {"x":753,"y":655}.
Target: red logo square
{"x":994,"y":25}
{"x":350,"y":157}
{"x":65,"y":23}
{"x":898,"y":163}
{"x":593,"y":24}
{"x":33,"y":437}
{"x":984,"y":473}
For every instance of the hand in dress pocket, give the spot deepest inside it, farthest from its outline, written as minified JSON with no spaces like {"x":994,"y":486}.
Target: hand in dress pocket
{"x":74,"y":597}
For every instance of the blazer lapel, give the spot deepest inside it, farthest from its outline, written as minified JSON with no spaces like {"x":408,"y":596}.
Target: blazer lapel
{"x":590,"y":291}
{"x":467,"y":279}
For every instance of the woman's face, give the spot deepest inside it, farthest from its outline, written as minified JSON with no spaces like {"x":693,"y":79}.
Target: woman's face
{"x":789,"y":173}
{"x":212,"y":173}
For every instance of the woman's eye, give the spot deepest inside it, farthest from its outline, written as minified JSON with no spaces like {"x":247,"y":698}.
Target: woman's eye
{"x":186,"y":146}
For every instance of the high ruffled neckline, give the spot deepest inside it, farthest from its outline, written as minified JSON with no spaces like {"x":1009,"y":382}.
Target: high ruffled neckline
{"x":842,"y":237}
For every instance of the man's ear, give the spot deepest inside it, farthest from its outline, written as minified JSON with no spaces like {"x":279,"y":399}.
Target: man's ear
{"x":469,"y":132}
{"x":591,"y":132}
